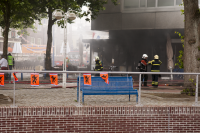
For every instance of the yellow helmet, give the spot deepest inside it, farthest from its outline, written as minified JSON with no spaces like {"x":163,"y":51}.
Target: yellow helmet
{"x":97,"y":57}
{"x":156,"y":57}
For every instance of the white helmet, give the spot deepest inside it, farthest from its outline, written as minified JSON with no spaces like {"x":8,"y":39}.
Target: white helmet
{"x":156,"y":57}
{"x":144,"y":56}
{"x":97,"y":57}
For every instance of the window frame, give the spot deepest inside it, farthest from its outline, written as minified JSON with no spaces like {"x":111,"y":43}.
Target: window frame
{"x":39,"y":27}
{"x":32,"y":40}
{"x":9,"y":34}
{"x":150,"y":9}
{"x":39,"y":40}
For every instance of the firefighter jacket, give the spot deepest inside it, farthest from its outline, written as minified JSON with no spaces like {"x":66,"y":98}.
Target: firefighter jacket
{"x":142,"y":65}
{"x":98,"y":66}
{"x":155,"y":65}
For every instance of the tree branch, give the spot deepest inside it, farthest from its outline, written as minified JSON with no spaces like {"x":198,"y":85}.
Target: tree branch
{"x":54,"y":20}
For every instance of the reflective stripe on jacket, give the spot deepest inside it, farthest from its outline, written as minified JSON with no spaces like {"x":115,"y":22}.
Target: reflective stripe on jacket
{"x":155,"y":65}
{"x":98,"y":66}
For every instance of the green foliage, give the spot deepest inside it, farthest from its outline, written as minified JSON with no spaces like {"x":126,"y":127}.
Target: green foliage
{"x":182,"y":92}
{"x":181,"y":52}
{"x":182,"y":11}
{"x":189,"y":92}
{"x":18,"y":14}
{"x":180,"y":57}
{"x":23,"y":14}
{"x":192,"y":80}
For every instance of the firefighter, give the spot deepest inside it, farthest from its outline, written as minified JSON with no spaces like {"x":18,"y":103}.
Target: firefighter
{"x":142,"y":66}
{"x":99,"y":66}
{"x":155,"y":67}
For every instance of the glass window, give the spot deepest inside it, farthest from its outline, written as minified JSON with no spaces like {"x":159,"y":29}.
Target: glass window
{"x":32,"y":40}
{"x":151,"y":3}
{"x":131,"y":3}
{"x":9,"y":34}
{"x":165,"y":2}
{"x":178,"y":2}
{"x":44,"y":21}
{"x":142,"y":3}
{"x":12,"y":34}
{"x":39,"y":27}
{"x":39,"y":41}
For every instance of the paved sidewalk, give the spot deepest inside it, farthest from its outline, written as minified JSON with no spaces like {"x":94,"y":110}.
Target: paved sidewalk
{"x":43,"y":96}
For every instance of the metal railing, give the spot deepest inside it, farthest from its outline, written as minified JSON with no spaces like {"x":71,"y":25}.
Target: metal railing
{"x":98,"y":72}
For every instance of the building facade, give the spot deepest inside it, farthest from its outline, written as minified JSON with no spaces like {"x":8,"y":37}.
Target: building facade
{"x":12,"y":38}
{"x":138,"y":27}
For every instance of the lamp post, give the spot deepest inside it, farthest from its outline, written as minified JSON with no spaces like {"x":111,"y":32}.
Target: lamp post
{"x":59,"y":14}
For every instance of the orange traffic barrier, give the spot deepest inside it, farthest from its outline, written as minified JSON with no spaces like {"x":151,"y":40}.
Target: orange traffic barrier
{"x":54,"y":79}
{"x":16,"y":79}
{"x":1,"y":79}
{"x":34,"y":79}
{"x":104,"y":76}
{"x":87,"y":79}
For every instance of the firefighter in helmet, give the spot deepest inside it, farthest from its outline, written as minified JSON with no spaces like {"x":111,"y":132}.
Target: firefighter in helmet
{"x":142,"y":66}
{"x":155,"y":67}
{"x":98,"y":66}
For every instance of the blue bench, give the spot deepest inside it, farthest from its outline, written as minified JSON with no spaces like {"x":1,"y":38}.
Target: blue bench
{"x":116,"y":86}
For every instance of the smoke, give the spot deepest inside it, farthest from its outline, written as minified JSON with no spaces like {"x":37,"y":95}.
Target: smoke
{"x":78,"y":52}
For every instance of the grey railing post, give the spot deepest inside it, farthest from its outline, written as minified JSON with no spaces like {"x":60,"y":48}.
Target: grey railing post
{"x":13,"y":94}
{"x":196,"y":92}
{"x":79,"y":89}
{"x":139,"y":93}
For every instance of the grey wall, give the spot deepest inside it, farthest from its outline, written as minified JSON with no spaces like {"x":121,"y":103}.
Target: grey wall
{"x":113,"y":18}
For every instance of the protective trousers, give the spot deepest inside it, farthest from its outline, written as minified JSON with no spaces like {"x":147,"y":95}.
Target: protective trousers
{"x":144,"y":78}
{"x":155,"y":79}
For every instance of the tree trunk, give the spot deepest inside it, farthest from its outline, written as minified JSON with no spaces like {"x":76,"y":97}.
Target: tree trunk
{"x":6,"y":28}
{"x":191,"y":41}
{"x":49,"y":42}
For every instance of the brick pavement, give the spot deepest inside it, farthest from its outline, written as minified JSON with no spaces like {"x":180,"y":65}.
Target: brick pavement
{"x":67,"y":97}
